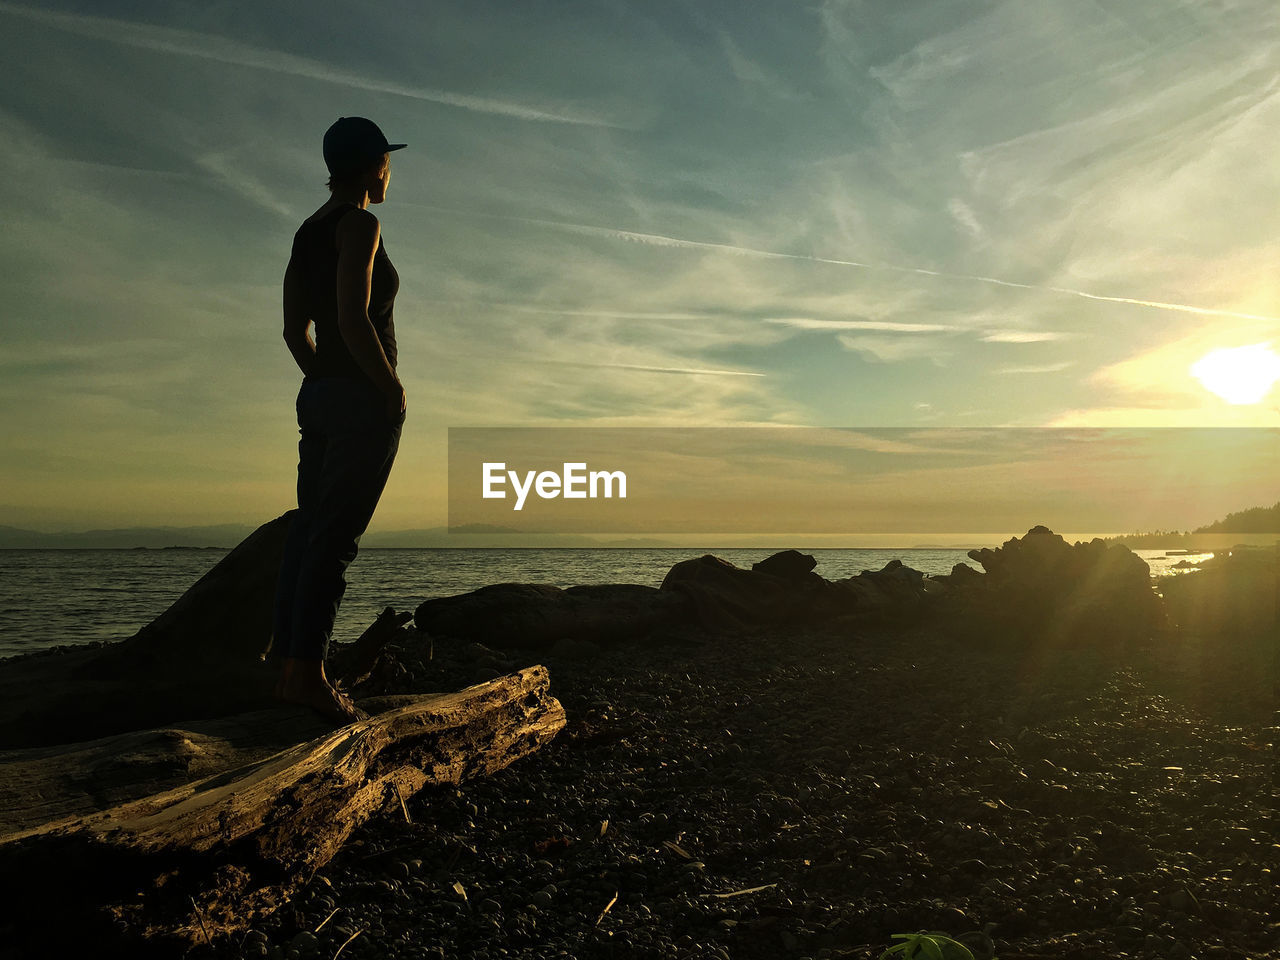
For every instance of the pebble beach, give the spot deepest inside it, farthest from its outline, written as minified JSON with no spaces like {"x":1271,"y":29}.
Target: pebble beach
{"x":809,"y":795}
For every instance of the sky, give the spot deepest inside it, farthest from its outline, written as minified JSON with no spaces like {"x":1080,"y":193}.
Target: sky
{"x":948,"y":213}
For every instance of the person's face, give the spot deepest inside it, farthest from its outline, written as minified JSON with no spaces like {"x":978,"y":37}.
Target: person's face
{"x":380,"y":179}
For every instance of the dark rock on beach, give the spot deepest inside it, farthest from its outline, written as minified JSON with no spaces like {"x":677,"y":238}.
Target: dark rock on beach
{"x":705,"y":592}
{"x":787,"y":565}
{"x":1040,"y":587}
{"x":537,"y":615}
{"x":1235,"y":591}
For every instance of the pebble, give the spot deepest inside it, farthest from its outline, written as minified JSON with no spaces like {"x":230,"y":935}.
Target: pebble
{"x":305,"y":944}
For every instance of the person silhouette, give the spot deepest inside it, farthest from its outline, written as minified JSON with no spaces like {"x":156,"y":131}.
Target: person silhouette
{"x":350,"y":407}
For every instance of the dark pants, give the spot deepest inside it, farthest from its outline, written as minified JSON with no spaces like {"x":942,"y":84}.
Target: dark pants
{"x":344,"y":458}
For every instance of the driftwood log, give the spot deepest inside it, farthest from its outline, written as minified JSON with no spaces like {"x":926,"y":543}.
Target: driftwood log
{"x":165,"y":871}
{"x":201,"y":658}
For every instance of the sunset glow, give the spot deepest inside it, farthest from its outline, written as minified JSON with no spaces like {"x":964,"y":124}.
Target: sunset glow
{"x":716,"y":214}
{"x":1239,"y":375}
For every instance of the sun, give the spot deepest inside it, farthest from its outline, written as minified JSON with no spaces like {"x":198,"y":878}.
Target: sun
{"x":1239,"y":375}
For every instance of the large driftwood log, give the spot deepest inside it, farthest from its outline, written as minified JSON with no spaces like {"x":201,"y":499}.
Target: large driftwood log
{"x":41,"y":785}
{"x":209,"y":857}
{"x":200,"y":658}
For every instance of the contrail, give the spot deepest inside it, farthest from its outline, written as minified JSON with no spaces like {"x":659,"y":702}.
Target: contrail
{"x":660,"y":240}
{"x":221,"y":49}
{"x":881,"y":326}
{"x":603,"y":314}
{"x":647,"y":369}
{"x":654,"y":239}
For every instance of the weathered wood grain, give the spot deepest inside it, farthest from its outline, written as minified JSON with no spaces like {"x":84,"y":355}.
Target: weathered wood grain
{"x":214,"y":854}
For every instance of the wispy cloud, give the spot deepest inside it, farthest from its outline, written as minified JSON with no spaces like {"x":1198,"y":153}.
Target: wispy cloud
{"x":1040,"y":368}
{"x":602,"y":313}
{"x":964,"y":216}
{"x":943,"y":255}
{"x":893,"y":349}
{"x":234,"y":176}
{"x":1206,"y":414}
{"x":206,"y":46}
{"x":884,"y":326}
{"x":661,"y":240}
{"x":692,"y":371}
{"x":1024,"y":336}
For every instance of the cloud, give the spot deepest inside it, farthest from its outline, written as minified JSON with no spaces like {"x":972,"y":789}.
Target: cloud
{"x":1041,"y":368}
{"x":600,"y":314}
{"x":661,"y":240}
{"x":225,"y":170}
{"x":694,"y":371}
{"x":206,"y":46}
{"x":894,"y":349}
{"x":1155,"y":387}
{"x":746,"y":70}
{"x":1023,"y":336}
{"x":1207,"y":415}
{"x":1164,"y":372}
{"x":886,"y":326}
{"x":964,"y":216}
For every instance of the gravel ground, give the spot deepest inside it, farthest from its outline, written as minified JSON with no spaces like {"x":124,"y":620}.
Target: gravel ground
{"x":810,"y":795}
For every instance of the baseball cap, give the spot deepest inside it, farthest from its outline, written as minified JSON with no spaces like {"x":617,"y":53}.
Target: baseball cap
{"x":352,"y":144}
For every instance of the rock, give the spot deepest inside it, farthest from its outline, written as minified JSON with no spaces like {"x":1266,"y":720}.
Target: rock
{"x":1232,"y":593}
{"x":960,"y":575}
{"x":953,"y":918}
{"x":528,"y":615}
{"x":723,"y":596}
{"x":574,"y":649}
{"x":1040,"y":586}
{"x":726,"y":597}
{"x":894,"y":592}
{"x":787,"y":565}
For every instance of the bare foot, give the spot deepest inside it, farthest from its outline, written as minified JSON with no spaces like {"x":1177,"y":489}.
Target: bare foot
{"x":322,"y":698}
{"x":286,"y":674}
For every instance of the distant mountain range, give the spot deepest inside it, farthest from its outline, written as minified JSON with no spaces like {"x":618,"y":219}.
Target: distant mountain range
{"x":1255,"y":520}
{"x":228,"y":535}
{"x":221,"y":535}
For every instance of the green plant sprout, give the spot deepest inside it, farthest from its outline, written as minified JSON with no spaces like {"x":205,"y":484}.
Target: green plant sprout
{"x":928,"y":946}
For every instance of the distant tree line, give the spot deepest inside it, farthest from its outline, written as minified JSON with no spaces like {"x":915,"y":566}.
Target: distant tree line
{"x":1253,"y":520}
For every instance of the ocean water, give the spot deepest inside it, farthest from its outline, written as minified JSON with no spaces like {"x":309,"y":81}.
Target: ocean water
{"x":50,"y":597}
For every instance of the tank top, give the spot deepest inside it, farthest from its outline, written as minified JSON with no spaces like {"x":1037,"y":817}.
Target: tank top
{"x":315,"y":256}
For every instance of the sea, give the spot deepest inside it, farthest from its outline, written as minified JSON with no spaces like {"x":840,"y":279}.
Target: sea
{"x":53,"y":597}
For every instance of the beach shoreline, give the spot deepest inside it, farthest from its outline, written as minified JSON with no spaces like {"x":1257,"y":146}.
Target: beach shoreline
{"x":867,"y":784}
{"x":756,"y":779}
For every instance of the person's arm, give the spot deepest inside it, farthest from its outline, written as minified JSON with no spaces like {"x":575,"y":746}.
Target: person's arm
{"x":357,"y":237}
{"x":297,"y":324}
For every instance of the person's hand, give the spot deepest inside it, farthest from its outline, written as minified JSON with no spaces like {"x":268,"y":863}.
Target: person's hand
{"x":396,"y":405}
